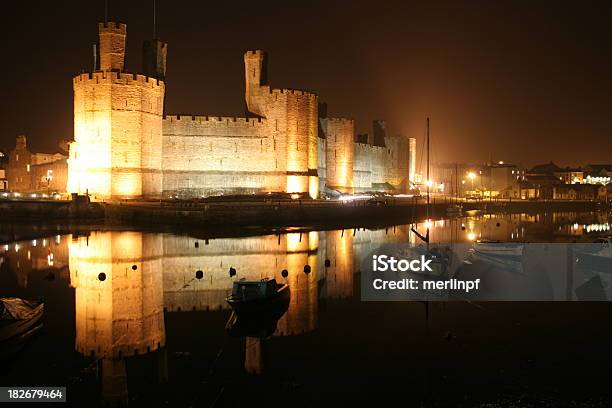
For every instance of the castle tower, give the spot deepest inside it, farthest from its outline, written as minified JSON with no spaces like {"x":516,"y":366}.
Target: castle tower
{"x":293,"y":120}
{"x":339,"y":134}
{"x":117,"y":148}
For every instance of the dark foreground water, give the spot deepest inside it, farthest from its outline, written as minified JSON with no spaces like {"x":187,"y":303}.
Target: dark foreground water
{"x":128,"y":323}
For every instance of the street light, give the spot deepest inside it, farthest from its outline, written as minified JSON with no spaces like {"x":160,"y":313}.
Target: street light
{"x":472,"y":176}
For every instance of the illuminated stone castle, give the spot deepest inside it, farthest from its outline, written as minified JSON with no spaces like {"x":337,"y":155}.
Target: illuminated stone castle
{"x":124,"y":146}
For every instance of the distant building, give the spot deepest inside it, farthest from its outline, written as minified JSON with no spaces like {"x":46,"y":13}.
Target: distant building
{"x":3,"y":180}
{"x":576,"y":192}
{"x":605,"y":193}
{"x":525,"y":190}
{"x":598,"y":174}
{"x":34,"y":172}
{"x":571,"y":175}
{"x":545,"y":177}
{"x":502,"y":178}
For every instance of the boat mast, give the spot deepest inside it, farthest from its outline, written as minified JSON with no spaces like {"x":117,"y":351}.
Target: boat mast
{"x":428,"y":180}
{"x":456,"y":183}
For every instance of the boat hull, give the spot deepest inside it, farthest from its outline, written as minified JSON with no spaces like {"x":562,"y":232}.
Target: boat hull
{"x":13,"y":328}
{"x":265,"y":305}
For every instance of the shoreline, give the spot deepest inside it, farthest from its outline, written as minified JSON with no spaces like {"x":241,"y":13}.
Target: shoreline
{"x":30,"y":219}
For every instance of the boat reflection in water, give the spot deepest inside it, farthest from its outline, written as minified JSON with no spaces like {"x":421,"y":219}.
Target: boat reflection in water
{"x":255,"y":328}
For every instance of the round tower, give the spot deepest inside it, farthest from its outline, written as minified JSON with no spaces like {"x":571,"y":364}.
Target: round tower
{"x":117,"y":146}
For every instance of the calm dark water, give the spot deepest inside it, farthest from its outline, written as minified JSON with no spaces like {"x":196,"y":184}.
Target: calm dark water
{"x":152,"y":334}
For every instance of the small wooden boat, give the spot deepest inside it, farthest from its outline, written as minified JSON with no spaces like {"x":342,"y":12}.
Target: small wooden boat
{"x":258,"y":297}
{"x":509,"y":250}
{"x":18,"y":317}
{"x":454,"y":209}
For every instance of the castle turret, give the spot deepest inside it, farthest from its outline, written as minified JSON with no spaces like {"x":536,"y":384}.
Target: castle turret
{"x":112,"y":45}
{"x":154,"y":54}
{"x":255,"y":75}
{"x":380,"y":133}
{"x":21,"y":142}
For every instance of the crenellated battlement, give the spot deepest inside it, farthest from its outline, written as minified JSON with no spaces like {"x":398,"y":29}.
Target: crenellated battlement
{"x":255,"y":53}
{"x":117,"y":77}
{"x":368,"y":146}
{"x":228,"y":120}
{"x":288,"y":91}
{"x":118,"y":28}
{"x":345,"y":121}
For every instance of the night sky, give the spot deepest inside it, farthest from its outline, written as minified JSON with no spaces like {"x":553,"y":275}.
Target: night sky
{"x":514,"y":81}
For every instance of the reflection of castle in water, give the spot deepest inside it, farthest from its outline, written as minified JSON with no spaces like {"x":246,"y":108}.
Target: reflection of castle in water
{"x":146,"y":273}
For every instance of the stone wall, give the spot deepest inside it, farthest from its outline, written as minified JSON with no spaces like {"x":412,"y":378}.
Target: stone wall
{"x":339,"y":135}
{"x":370,"y":167}
{"x":210,"y":155}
